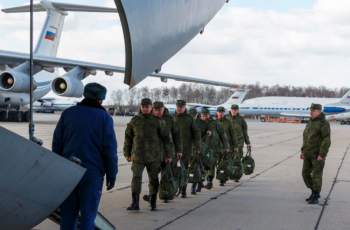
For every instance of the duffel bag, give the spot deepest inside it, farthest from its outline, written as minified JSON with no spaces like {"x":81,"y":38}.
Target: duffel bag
{"x":180,"y":177}
{"x":167,"y":185}
{"x":208,"y":158}
{"x":237,"y":167}
{"x":248,"y":162}
{"x":225,"y":167}
{"x":194,"y":170}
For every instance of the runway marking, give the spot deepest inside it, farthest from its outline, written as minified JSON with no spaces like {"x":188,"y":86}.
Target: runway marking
{"x":330,"y":191}
{"x":224,"y":193}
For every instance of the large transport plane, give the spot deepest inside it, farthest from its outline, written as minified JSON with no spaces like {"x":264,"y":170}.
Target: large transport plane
{"x":14,"y":80}
{"x":50,"y":104}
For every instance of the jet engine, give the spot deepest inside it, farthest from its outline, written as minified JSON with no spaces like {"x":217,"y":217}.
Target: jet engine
{"x":15,"y":81}
{"x":67,"y":86}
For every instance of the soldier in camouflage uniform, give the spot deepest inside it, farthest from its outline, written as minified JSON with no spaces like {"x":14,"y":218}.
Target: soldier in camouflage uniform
{"x":145,"y":136}
{"x":241,"y":128}
{"x":190,"y":135}
{"x":203,"y":126}
{"x":217,"y":140}
{"x":230,"y":133}
{"x":175,"y":133}
{"x":316,"y":143}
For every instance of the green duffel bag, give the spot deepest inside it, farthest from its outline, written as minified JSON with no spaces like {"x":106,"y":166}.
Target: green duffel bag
{"x":195,"y":170}
{"x":201,"y":166}
{"x":208,"y":158}
{"x":237,"y":167}
{"x":225,"y":167}
{"x":167,"y":185}
{"x":248,"y":162}
{"x":180,"y":176}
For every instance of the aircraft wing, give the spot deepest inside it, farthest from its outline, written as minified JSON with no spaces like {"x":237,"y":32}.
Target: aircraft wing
{"x":14,"y":58}
{"x":294,"y":115}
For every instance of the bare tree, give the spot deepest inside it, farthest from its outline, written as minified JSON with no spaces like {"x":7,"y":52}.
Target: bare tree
{"x":117,"y":97}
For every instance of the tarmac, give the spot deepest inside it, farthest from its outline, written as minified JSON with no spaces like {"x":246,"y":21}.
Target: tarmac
{"x":273,"y":197}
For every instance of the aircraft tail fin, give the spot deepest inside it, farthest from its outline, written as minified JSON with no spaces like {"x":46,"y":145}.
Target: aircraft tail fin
{"x":345,"y":99}
{"x":237,"y":97}
{"x":51,"y":33}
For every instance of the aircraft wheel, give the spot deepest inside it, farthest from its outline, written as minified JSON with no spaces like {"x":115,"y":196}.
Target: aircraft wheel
{"x":262,"y":119}
{"x":3,"y":116}
{"x":11,"y":116}
{"x":26,"y":116}
{"x":348,"y":122}
{"x":17,"y":116}
{"x":342,"y":122}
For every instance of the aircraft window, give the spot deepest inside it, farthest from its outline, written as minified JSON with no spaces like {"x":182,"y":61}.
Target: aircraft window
{"x":293,"y":108}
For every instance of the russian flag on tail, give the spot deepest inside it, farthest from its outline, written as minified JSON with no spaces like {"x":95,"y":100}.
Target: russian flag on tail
{"x":50,"y":36}
{"x":348,"y":97}
{"x":235,"y":97}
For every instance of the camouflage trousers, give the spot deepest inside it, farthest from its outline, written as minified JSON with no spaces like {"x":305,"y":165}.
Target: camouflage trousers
{"x":312,"y":173}
{"x":186,"y":161}
{"x":152,"y":171}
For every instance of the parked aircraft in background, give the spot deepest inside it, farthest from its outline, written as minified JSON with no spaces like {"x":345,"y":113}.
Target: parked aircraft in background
{"x":14,"y":81}
{"x":286,"y":106}
{"x":236,"y":98}
{"x":50,"y":105}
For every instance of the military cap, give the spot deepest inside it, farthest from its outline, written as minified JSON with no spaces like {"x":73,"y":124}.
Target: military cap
{"x":234,"y":106}
{"x":146,"y":101}
{"x":316,"y":106}
{"x":205,"y":111}
{"x":95,"y":91}
{"x":220,"y":109}
{"x":193,"y":111}
{"x":181,"y":102}
{"x":158,"y":105}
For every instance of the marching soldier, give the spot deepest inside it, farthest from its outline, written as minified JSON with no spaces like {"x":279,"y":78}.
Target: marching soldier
{"x":316,"y":143}
{"x":190,"y":135}
{"x":175,"y":132}
{"x":241,"y":128}
{"x":217,"y":140}
{"x":203,"y":126}
{"x":229,"y":130}
{"x":145,"y":136}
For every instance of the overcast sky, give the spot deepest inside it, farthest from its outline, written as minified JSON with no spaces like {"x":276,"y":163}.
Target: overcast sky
{"x":297,"y":42}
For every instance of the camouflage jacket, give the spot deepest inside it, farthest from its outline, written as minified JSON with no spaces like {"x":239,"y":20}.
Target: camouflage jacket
{"x":144,"y":137}
{"x":203,"y":126}
{"x":189,"y":131}
{"x":230,"y":132}
{"x":175,"y":132}
{"x":241,"y":129}
{"x":218,"y":137}
{"x":316,"y":137}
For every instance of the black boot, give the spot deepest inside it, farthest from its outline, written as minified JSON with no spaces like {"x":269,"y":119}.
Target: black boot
{"x":165,"y":201}
{"x":183,"y":193}
{"x":237,"y":181}
{"x":222,"y":182}
{"x":199,"y":187}
{"x":193,"y":189}
{"x":315,"y":197}
{"x":153,"y":202}
{"x":311,"y":196}
{"x":146,"y":197}
{"x":135,"y":202}
{"x":227,"y":179}
{"x":210,"y":182}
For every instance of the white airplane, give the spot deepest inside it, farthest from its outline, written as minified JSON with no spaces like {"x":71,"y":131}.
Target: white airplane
{"x":287,"y":106}
{"x":236,"y":98}
{"x":15,"y":80}
{"x":50,"y":105}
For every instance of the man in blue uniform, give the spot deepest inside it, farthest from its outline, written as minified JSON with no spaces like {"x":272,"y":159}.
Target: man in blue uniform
{"x":86,"y":131}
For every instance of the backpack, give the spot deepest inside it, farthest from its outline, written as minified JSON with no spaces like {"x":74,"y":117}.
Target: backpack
{"x":195,"y":170}
{"x":248,"y":162}
{"x":225,"y":167}
{"x":237,"y":167}
{"x":207,"y":155}
{"x":180,"y":177}
{"x":167,"y":185}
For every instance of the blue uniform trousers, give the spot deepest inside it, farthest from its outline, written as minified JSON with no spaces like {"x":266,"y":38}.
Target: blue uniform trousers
{"x":84,"y":198}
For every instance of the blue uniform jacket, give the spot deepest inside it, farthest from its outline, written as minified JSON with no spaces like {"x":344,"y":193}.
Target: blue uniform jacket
{"x":86,"y":131}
